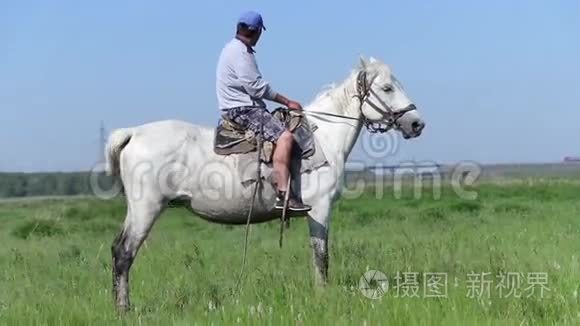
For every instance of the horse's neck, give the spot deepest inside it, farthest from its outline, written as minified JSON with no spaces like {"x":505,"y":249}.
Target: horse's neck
{"x":338,"y":135}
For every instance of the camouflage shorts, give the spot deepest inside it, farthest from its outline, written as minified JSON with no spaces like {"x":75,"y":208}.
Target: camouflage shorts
{"x":249,"y":118}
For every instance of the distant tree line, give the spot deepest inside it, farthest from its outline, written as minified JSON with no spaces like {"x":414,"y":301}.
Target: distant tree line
{"x":49,"y":184}
{"x":79,"y":183}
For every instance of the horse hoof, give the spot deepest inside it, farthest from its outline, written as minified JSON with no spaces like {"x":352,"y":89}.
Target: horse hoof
{"x":123,"y":308}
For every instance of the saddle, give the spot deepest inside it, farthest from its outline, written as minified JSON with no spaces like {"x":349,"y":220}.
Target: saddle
{"x":230,"y":138}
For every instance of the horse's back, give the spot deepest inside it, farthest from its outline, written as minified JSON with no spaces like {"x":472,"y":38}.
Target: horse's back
{"x":166,"y":136}
{"x":173,"y":129}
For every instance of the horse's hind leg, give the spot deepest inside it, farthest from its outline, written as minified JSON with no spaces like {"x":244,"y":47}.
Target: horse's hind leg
{"x":141,"y":216}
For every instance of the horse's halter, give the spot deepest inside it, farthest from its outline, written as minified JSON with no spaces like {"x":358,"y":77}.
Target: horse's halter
{"x":391,"y":117}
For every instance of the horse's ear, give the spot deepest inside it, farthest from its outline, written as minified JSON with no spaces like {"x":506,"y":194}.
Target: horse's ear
{"x":372,"y":60}
{"x":363,"y":63}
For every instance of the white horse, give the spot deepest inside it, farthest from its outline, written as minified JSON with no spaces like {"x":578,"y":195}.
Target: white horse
{"x":167,"y":160}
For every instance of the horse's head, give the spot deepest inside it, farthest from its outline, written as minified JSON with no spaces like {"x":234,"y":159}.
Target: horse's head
{"x":384,"y":103}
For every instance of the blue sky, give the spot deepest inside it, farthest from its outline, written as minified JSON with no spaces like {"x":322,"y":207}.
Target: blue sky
{"x":496,"y":81}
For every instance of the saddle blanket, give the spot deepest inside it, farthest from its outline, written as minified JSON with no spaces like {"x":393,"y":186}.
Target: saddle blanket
{"x":247,"y":168}
{"x":230,"y":139}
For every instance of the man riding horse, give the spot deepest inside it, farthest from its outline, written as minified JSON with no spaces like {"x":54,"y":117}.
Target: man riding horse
{"x":241,"y":91}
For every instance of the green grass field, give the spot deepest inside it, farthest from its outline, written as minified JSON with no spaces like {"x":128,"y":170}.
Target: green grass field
{"x":55,"y":263}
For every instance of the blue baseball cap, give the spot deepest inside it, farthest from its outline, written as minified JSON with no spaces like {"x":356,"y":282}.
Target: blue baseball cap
{"x":252,"y":19}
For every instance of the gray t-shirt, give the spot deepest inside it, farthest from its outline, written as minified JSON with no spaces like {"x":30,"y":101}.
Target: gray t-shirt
{"x":239,"y":81}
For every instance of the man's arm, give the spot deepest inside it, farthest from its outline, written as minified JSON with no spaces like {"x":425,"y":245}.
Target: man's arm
{"x":281,"y":99}
{"x":255,"y":85}
{"x":251,"y":79}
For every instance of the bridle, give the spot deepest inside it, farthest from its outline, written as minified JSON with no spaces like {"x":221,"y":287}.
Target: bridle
{"x":364,"y":93}
{"x":391,"y":117}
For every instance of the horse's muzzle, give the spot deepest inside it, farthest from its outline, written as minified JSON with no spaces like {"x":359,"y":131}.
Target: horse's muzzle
{"x":418,"y":127}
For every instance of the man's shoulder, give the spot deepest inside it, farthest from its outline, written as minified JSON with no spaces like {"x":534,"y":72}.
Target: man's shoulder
{"x":235,"y":52}
{"x":228,"y":51}
{"x":235,"y":45}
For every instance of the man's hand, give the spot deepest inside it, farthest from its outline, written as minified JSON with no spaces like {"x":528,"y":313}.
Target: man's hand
{"x":293,"y":105}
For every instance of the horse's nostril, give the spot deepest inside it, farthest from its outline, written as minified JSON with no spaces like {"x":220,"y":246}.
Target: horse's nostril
{"x":418,"y":126}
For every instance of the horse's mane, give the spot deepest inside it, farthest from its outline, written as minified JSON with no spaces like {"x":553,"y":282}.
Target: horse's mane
{"x":335,"y":91}
{"x":341,"y":93}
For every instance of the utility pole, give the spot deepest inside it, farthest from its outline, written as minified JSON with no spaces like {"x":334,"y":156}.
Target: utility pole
{"x":102,"y":142}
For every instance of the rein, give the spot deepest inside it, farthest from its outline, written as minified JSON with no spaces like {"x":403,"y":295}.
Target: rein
{"x":364,"y":90}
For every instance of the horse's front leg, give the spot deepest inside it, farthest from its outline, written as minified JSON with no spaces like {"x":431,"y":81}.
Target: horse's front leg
{"x":318,"y":222}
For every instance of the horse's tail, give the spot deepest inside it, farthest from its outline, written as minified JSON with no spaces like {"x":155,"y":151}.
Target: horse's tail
{"x":118,"y":139}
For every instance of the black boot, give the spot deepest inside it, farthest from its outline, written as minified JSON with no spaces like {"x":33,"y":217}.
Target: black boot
{"x":294,"y":204}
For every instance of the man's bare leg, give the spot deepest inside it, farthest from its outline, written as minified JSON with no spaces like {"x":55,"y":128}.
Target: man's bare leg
{"x":282,"y":157}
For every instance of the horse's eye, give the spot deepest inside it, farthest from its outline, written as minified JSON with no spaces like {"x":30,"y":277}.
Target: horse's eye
{"x":388,"y":88}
